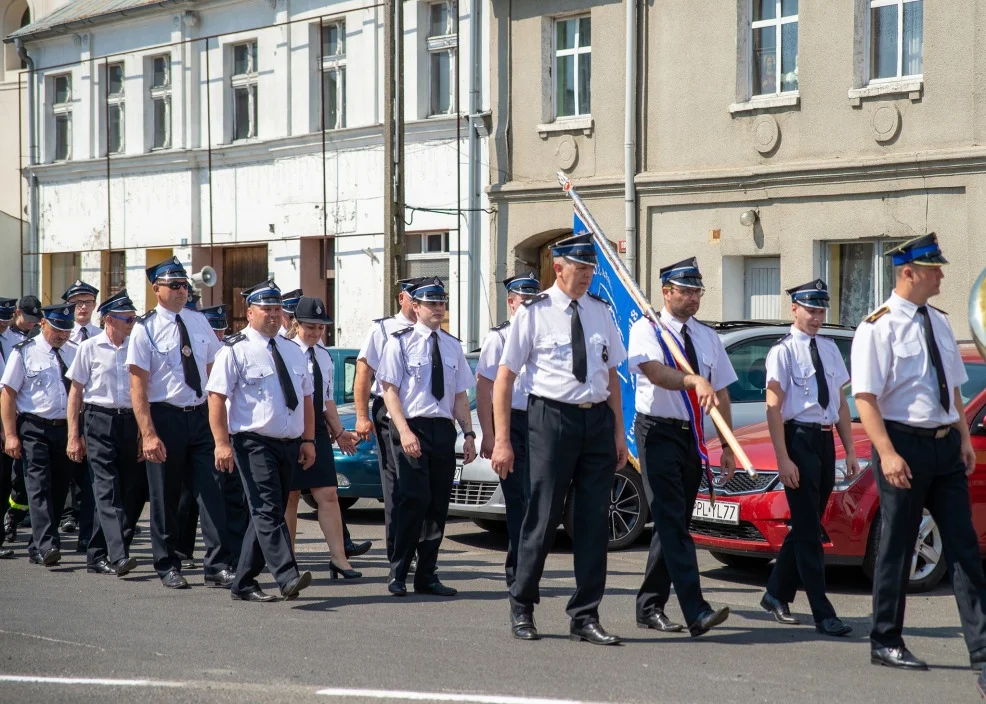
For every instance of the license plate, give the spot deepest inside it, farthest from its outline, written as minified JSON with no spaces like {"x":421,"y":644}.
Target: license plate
{"x":720,"y":512}
{"x":457,"y":477}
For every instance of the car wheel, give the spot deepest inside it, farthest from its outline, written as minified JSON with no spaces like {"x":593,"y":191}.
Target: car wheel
{"x":927,"y":563}
{"x":347,"y":502}
{"x":628,"y":512}
{"x":740,"y":562}
{"x":309,"y":499}
{"x":487,"y":524}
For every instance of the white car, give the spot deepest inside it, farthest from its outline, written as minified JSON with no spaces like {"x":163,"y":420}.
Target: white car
{"x":476,"y":492}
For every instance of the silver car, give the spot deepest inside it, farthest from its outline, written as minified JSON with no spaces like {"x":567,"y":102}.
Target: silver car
{"x":476,"y":492}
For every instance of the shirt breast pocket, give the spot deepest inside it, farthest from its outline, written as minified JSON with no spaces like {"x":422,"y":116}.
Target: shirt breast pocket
{"x":298,"y":377}
{"x":800,"y":378}
{"x":200,"y":345}
{"x":908,"y":359}
{"x":598,"y":349}
{"x":451,"y":368}
{"x":554,"y":347}
{"x":38,"y":378}
{"x":255,"y":379}
{"x":417,"y":365}
{"x":708,"y":363}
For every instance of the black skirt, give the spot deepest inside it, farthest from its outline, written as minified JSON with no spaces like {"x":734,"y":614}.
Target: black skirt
{"x":323,"y":472}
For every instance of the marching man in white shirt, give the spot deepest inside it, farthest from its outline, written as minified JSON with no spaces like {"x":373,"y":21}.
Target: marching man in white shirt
{"x":805,"y":401}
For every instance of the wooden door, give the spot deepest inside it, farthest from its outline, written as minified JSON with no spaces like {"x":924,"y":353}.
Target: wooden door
{"x":243,"y":267}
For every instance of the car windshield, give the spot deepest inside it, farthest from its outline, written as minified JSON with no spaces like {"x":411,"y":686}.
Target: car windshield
{"x":473,"y":360}
{"x":969,"y":390}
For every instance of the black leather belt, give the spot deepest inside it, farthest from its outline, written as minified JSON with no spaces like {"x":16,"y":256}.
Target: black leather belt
{"x":181,"y":409}
{"x":936,"y":433}
{"x":583,"y":406}
{"x":811,"y":426}
{"x":44,"y":421}
{"x":109,"y":411}
{"x":673,"y":422}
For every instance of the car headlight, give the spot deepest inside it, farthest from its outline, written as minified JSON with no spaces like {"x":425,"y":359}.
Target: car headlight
{"x":343,"y":480}
{"x":842,"y":482}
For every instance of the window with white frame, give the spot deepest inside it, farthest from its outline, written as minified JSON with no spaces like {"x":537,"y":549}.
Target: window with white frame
{"x":160,"y":97}
{"x":442,"y":48}
{"x":115,"y":109}
{"x":61,"y":114}
{"x":333,"y":56}
{"x":774,"y":46}
{"x":860,"y":277}
{"x":243,"y":84}
{"x":895,"y":31}
{"x":427,"y":254}
{"x":573,"y":66}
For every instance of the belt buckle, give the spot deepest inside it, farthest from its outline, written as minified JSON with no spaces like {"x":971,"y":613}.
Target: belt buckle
{"x":685,"y":425}
{"x":586,"y":405}
{"x":941,"y":432}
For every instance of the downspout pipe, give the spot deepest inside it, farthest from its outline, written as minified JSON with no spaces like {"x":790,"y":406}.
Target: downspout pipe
{"x":30,"y":279}
{"x":474,"y":184}
{"x":629,"y":140}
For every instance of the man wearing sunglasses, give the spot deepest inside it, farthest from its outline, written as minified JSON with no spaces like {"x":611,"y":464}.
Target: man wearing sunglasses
{"x":107,"y":435}
{"x":79,"y":506}
{"x":170,"y":356}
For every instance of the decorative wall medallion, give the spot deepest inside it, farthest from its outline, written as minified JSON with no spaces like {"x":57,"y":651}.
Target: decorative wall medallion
{"x":567,"y":153}
{"x":885,"y":122}
{"x":766,"y":134}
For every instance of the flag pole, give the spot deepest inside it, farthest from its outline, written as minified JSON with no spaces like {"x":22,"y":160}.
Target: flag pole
{"x":638,"y":295}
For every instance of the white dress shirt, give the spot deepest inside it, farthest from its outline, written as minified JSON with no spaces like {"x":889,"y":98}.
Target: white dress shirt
{"x":489,"y":364}
{"x":890,"y":360}
{"x":325,"y":365}
{"x":9,"y":338}
{"x":101,"y":368}
{"x":76,"y":334}
{"x":406,"y":363}
{"x":245,"y":374}
{"x":789,"y":364}
{"x":34,"y":373}
{"x":372,"y":350}
{"x":540,"y":338}
{"x":713,"y":363}
{"x":155,"y":347}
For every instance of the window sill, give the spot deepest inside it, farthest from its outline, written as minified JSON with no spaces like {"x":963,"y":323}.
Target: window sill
{"x":913,"y":87}
{"x":584,"y":124}
{"x":785,"y":100}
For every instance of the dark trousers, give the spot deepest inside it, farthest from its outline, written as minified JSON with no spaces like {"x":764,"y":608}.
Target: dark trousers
{"x":424,"y":485}
{"x":188,"y":521}
{"x":6,"y":482}
{"x":569,"y":448}
{"x":939,"y":484}
{"x":672,"y":473}
{"x":801,"y":560}
{"x":47,"y":470}
{"x":516,"y":489}
{"x":111,"y":446}
{"x":387,"y":459}
{"x":80,"y":504}
{"x":190,"y":458}
{"x":265,"y":466}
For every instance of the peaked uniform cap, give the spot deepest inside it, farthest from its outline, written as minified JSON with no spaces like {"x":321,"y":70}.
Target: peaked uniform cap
{"x":525,"y":284}
{"x":265,"y":293}
{"x":118,"y":303}
{"x":429,"y":289}
{"x":216,"y":315}
{"x":923,"y":250}
{"x":578,"y":249}
{"x":814,"y":294}
{"x":167,"y":270}
{"x":684,"y":274}
{"x":312,"y":310}
{"x":61,"y":316}
{"x":79,"y":287}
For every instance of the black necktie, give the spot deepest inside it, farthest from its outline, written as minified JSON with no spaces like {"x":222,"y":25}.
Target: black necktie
{"x":935,"y":355}
{"x":690,"y":350}
{"x":317,"y":375}
{"x":437,"y":372}
{"x":580,"y":366}
{"x":66,"y":382}
{"x":188,"y":364}
{"x":85,"y":334}
{"x":290,"y":397}
{"x":820,"y":379}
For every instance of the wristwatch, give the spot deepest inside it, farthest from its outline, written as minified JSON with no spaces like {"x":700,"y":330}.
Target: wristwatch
{"x":469,"y":434}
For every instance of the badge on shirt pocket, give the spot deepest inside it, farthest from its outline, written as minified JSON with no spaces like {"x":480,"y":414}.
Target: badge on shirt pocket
{"x":605,"y":353}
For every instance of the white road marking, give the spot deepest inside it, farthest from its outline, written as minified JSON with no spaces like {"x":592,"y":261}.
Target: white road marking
{"x":395,"y":695}
{"x":52,"y":640}
{"x":31,"y":679}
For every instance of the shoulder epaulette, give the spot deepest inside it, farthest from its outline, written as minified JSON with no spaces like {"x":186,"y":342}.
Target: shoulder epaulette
{"x":74,"y":344}
{"x":451,"y":335}
{"x":147,"y":316}
{"x":501,"y":326}
{"x":786,"y":337}
{"x":33,"y":332}
{"x":938,"y":309}
{"x":23,"y":343}
{"x":320,"y":345}
{"x":380,"y":320}
{"x":402,"y":331}
{"x":877,"y":314}
{"x":231,"y":340}
{"x":536,"y":299}
{"x":598,"y":298}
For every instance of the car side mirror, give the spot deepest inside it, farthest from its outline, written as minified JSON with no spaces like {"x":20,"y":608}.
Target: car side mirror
{"x":979,"y":424}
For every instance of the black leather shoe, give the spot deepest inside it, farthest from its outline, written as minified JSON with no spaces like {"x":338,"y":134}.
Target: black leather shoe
{"x":294,"y":587}
{"x":6,"y":553}
{"x":100,"y":566}
{"x":81,"y":546}
{"x":124,"y":566}
{"x":523,"y":627}
{"x":256,"y":595}
{"x":397,"y":587}
{"x":357,"y":549}
{"x":222,"y":579}
{"x":977,"y":659}
{"x":436,"y":588}
{"x":778,"y":609}
{"x":68,"y":526}
{"x":833,"y":627}
{"x":658,"y":621}
{"x":413,"y":567}
{"x":592,"y":633}
{"x":174,"y":580}
{"x":896,"y":657}
{"x":188,"y":564}
{"x":706,"y":620}
{"x":50,"y":557}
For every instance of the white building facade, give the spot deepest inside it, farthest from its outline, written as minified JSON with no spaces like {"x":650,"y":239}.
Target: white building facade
{"x":247,"y":136}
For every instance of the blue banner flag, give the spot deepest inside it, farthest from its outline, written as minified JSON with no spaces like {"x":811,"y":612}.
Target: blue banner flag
{"x":625,"y":311}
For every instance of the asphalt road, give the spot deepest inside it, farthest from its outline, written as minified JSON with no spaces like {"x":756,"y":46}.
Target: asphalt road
{"x":74,"y":637}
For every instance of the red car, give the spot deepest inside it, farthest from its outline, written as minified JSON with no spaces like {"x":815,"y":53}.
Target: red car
{"x":749,"y":520}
